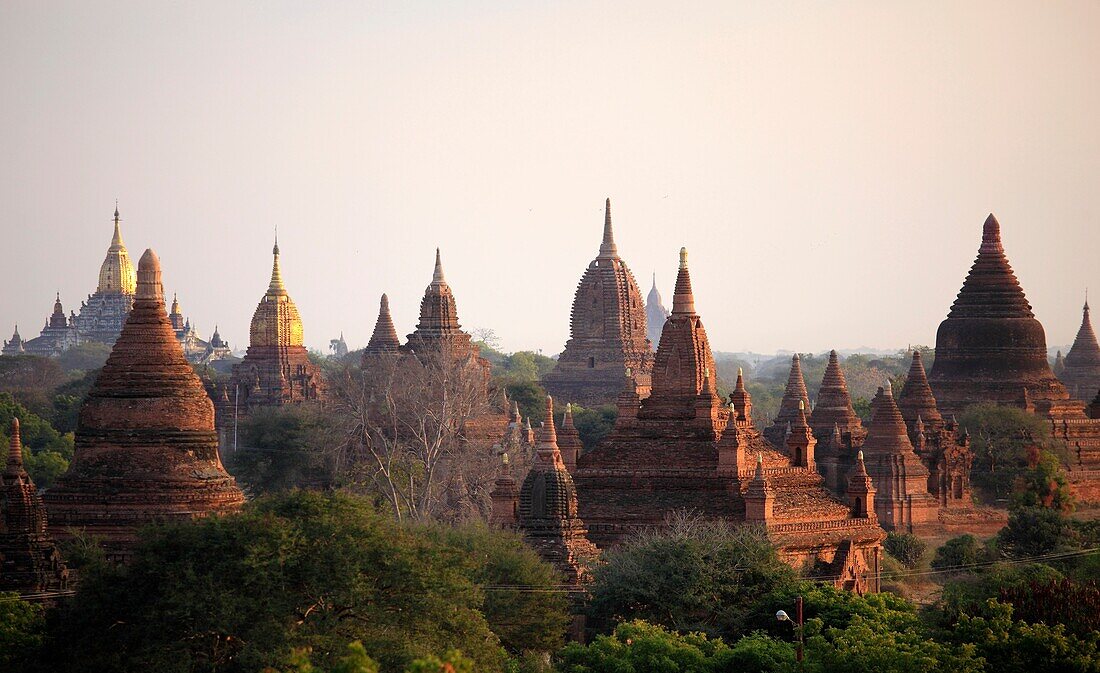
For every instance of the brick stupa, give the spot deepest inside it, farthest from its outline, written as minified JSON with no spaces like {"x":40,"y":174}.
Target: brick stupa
{"x":655,"y":313}
{"x":384,"y":338}
{"x":837,"y":428}
{"x":607,"y":333}
{"x":991,"y":347}
{"x":903,"y":502}
{"x":276,"y":369}
{"x":146,"y":448}
{"x":29,"y":560}
{"x":684,"y":449}
{"x":1081,"y":371}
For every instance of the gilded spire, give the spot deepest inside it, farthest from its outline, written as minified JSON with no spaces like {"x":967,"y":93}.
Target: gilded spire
{"x":276,"y":287}
{"x":116,"y":238}
{"x":683,"y":300}
{"x":607,"y":247}
{"x":116,"y":274}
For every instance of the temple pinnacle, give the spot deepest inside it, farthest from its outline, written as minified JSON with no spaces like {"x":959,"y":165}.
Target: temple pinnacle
{"x":607,"y":247}
{"x":149,"y":286}
{"x":15,"y":448}
{"x":276,"y":287}
{"x":437,"y":274}
{"x":683,"y":300}
{"x":991,"y":236}
{"x":116,"y":238}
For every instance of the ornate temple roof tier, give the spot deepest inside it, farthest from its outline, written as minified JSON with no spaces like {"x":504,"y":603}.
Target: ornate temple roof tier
{"x":991,"y":347}
{"x":438,"y":327}
{"x":146,"y":448}
{"x":916,"y":399}
{"x":569,"y":440}
{"x":608,"y":333}
{"x":833,"y":408}
{"x":116,"y":274}
{"x":384,"y":339}
{"x":29,"y":561}
{"x":1081,"y":371}
{"x":794,"y":393}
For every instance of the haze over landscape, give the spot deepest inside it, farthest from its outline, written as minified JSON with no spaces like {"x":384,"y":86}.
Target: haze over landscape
{"x":828,"y":166}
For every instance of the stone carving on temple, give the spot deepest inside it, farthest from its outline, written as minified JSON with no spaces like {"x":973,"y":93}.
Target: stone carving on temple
{"x":146,"y":447}
{"x":276,"y":369}
{"x":1081,"y":367}
{"x":990,"y":348}
{"x":608,"y":333}
{"x":30,"y":563}
{"x":684,"y":449}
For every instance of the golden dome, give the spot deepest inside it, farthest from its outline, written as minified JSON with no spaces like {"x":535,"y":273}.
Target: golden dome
{"x":276,"y":321}
{"x":116,"y":274}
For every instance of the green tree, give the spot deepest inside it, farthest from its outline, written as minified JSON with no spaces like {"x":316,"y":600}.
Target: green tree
{"x":969,"y":592}
{"x":531,"y":398}
{"x":906,"y":548}
{"x":641,"y":647}
{"x":68,"y":398}
{"x":959,"y":552}
{"x":1032,"y":531}
{"x":1001,"y":438}
{"x":1044,"y":484}
{"x":22,"y":627}
{"x":594,"y":424}
{"x":282,"y":448}
{"x":242,"y":592}
{"x":83,"y":357}
{"x":695,"y":576}
{"x":519,"y":604}
{"x":1013,"y":646}
{"x":46,"y":452}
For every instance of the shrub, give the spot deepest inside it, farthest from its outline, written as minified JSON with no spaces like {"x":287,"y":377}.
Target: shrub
{"x":905,"y":547}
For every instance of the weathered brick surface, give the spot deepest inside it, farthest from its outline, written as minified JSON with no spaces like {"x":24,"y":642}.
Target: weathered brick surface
{"x":146,"y":448}
{"x":1081,"y":373}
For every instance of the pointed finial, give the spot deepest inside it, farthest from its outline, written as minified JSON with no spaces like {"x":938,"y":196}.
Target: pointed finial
{"x":116,"y":210}
{"x":607,"y":247}
{"x":1086,"y":302}
{"x":437,"y":275}
{"x":991,"y":236}
{"x":889,"y":388}
{"x":859,"y":455}
{"x":116,"y":238}
{"x":275,"y":250}
{"x":276,"y":287}
{"x":740,"y":372}
{"x":504,"y":459}
{"x":683,"y":258}
{"x":683,"y":300}
{"x":655,"y":283}
{"x":802,"y":405}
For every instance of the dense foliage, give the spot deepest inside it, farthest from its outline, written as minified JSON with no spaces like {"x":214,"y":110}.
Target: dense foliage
{"x":293,"y":572}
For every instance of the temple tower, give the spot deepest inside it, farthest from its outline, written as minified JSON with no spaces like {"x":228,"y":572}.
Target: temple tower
{"x":146,"y":448}
{"x":29,"y":561}
{"x":15,"y":345}
{"x":837,"y":428}
{"x":793,"y":394}
{"x":759,"y":496}
{"x":569,"y":440}
{"x":655,"y":313}
{"x":608,"y":333}
{"x":991,"y":347}
{"x":903,"y":500}
{"x":547,"y":512}
{"x":103,"y":314}
{"x":1081,"y":373}
{"x":800,"y":440}
{"x":384,"y":339}
{"x":861,"y":491}
{"x":276,"y":368}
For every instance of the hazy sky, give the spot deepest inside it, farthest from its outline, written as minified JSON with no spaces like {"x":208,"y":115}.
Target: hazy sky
{"x":828,"y":165}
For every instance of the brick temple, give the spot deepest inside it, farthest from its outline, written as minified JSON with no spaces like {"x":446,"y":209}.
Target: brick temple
{"x":384,"y":338}
{"x":684,"y":449}
{"x":608,"y":333}
{"x":836,"y":427}
{"x":146,"y":448}
{"x":1081,"y":367}
{"x":30,"y":563}
{"x":276,"y":369}
{"x":992,"y":349}
{"x":655,"y":313}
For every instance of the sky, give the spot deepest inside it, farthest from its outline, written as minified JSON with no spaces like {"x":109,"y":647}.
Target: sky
{"x":827,"y":165}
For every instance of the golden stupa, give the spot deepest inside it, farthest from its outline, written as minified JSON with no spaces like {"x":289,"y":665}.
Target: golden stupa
{"x":117,"y":275}
{"x":276,"y":321}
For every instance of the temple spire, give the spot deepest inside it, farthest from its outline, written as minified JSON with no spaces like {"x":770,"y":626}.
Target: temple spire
{"x":116,"y":239}
{"x":276,"y":286}
{"x":149,"y":287}
{"x":607,"y":247}
{"x":384,"y":339}
{"x":683,"y":299}
{"x":437,"y":274}
{"x":991,"y":236}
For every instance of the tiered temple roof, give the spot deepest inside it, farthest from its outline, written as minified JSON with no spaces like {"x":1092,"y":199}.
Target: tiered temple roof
{"x":837,"y":428}
{"x":916,"y":400}
{"x":569,"y":440}
{"x":29,"y":561}
{"x":1082,"y":364}
{"x":146,"y":448}
{"x":608,"y":333}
